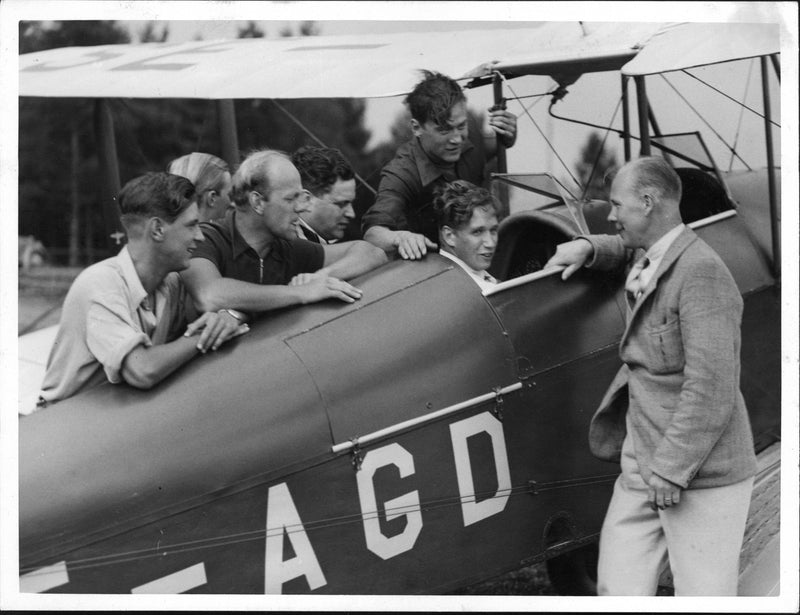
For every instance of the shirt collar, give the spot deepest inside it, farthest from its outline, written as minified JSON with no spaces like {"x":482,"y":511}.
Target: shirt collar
{"x":660,"y":247}
{"x":307,"y":226}
{"x":238,"y":244}
{"x":478,"y":276}
{"x":132,"y":281}
{"x":428,"y":171}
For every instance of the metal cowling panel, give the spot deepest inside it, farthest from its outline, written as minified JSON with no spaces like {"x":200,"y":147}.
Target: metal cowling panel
{"x":434,"y":344}
{"x":114,"y":457}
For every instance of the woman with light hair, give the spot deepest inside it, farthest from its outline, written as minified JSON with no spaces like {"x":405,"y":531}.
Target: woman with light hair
{"x":211,"y":179}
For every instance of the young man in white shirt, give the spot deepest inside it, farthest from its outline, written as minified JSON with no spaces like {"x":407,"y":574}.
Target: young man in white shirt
{"x":467,"y":219}
{"x":123,"y":319}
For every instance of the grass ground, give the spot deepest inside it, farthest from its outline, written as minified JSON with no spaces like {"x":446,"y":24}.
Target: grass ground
{"x":528,"y":581}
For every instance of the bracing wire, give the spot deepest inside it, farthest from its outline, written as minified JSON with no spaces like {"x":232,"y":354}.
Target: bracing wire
{"x":741,"y":111}
{"x":710,"y":127}
{"x":318,"y":140}
{"x":541,"y":132}
{"x":738,"y":102}
{"x":325,"y":523}
{"x":543,"y":94}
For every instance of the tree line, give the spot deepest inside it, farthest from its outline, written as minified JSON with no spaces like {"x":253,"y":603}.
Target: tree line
{"x":59,"y":201}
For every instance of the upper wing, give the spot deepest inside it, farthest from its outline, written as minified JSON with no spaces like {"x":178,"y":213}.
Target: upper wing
{"x":698,"y":44}
{"x":358,"y":66}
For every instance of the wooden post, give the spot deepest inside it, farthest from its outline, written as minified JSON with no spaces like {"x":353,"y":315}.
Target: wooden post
{"x":226,"y":115}
{"x":109,"y":174}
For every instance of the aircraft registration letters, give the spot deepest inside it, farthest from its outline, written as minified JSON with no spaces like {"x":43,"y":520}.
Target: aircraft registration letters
{"x":388,"y":510}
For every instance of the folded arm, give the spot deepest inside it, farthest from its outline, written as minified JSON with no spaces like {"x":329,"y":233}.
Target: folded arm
{"x":210,"y":291}
{"x":350,"y":259}
{"x":145,"y":366}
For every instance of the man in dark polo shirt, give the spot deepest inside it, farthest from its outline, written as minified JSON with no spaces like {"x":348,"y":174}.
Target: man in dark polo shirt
{"x":251,"y":260}
{"x":402,"y":219}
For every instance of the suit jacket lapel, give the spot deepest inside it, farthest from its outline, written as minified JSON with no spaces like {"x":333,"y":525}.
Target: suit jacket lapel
{"x":683,"y":241}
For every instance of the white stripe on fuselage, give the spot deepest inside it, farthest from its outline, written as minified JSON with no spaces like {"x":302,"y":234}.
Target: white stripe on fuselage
{"x":43,"y":579}
{"x":175,"y":583}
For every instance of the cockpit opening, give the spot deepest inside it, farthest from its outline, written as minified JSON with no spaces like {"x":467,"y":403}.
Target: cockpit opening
{"x":702,"y":195}
{"x":526,"y":241}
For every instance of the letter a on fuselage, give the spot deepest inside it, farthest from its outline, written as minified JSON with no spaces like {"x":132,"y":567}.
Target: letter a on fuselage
{"x":282,"y":517}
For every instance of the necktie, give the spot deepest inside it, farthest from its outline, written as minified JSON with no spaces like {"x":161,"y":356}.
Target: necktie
{"x":633,"y":285}
{"x":489,"y":278}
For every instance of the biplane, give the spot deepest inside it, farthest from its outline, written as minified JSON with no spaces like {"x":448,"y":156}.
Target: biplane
{"x":378,"y":448}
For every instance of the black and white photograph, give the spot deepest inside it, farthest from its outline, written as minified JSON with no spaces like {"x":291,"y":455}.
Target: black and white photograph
{"x":399,"y":306}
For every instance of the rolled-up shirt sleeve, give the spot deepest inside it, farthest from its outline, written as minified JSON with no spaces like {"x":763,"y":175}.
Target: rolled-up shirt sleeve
{"x":111,"y":333}
{"x":389,"y":210}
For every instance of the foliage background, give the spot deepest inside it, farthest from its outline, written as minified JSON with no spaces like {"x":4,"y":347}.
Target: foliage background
{"x":59,"y":196}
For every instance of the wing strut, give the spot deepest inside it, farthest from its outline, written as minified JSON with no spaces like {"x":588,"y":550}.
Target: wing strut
{"x":643,"y":108}
{"x":228,"y":137}
{"x":499,"y":103}
{"x":626,"y":119}
{"x":773,"y":201}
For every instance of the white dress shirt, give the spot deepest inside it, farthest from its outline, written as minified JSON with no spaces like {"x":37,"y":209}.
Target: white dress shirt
{"x":657,"y":251}
{"x":482,"y":278}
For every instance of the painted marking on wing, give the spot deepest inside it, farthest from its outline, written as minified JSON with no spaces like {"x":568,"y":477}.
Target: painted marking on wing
{"x":41,"y":580}
{"x":175,"y":583}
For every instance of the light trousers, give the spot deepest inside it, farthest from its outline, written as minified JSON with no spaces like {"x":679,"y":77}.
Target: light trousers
{"x":700,"y":538}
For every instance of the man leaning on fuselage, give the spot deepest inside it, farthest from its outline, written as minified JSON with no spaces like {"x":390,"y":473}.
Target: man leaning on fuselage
{"x":121,"y":316}
{"x":402,"y":220}
{"x":330,"y":180}
{"x":673,"y":417}
{"x":252,"y":259}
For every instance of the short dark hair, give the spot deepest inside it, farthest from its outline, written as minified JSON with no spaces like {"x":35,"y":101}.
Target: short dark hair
{"x":321,"y":167}
{"x":434,"y":97}
{"x":155,"y":194}
{"x":454,"y":203}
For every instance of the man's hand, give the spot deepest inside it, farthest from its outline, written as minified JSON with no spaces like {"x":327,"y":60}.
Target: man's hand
{"x":304,"y":278}
{"x":504,"y":123}
{"x":216,"y":328}
{"x":320,"y":287}
{"x":662,"y":494}
{"x":571,"y":255}
{"x":412,"y":246}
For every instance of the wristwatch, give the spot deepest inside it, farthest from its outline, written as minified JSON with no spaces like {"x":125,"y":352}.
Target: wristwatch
{"x":235,"y":313}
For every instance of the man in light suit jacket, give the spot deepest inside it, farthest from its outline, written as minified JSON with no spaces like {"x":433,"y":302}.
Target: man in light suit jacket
{"x":674,"y":417}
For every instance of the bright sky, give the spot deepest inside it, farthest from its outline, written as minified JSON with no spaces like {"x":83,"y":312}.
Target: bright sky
{"x":593,"y":98}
